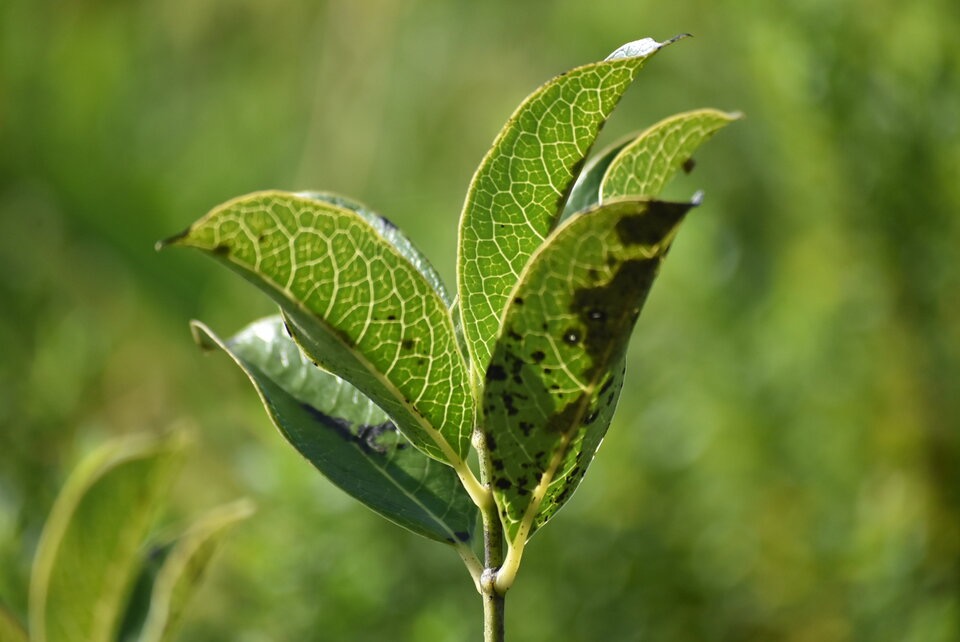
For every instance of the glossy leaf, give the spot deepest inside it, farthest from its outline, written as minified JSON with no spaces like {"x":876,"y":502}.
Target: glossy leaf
{"x":557,"y":364}
{"x":88,"y":554}
{"x":645,"y":166}
{"x":184,"y":567}
{"x":519,"y":190}
{"x":357,"y":304}
{"x":347,"y":437}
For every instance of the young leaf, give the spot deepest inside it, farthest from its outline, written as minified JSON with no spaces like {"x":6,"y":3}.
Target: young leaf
{"x":519,"y":190}
{"x":358,"y":305}
{"x":347,"y":437}
{"x":184,"y":567}
{"x":88,"y":553}
{"x":644,"y":167}
{"x":558,"y":362}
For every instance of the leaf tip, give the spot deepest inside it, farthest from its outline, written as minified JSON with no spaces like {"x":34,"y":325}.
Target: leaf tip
{"x":163,"y":244}
{"x":203,"y":336}
{"x":697,"y":198}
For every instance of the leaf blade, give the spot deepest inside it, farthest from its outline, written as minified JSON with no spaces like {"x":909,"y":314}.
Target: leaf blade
{"x":561,"y":353}
{"x":364,"y":311}
{"x":518,"y":192}
{"x":646,"y":165}
{"x":184,"y":567}
{"x":346,"y":436}
{"x":87,"y":558}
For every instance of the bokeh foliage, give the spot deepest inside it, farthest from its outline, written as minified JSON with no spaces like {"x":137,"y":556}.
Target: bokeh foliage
{"x":784,"y":464}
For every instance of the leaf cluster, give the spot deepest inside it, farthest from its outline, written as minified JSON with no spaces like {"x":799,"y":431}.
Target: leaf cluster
{"x":386,"y":383}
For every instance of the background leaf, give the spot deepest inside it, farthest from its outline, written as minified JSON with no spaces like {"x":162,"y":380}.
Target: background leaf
{"x":10,"y":628}
{"x":184,"y":567}
{"x":518,"y":192}
{"x":88,"y":554}
{"x":644,"y":167}
{"x":347,"y":437}
{"x":357,"y":305}
{"x":557,"y":365}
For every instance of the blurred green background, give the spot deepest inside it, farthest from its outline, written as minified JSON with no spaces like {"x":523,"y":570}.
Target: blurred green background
{"x":785,"y":461}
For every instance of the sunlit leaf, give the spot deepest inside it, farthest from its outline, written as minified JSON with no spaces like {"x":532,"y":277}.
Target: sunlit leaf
{"x":184,"y":567}
{"x":357,"y":305}
{"x":644,"y":167}
{"x":88,"y":554}
{"x":557,"y":365}
{"x":518,"y":192}
{"x":347,"y":437}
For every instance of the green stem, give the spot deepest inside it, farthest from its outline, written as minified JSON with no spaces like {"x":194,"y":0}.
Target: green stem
{"x":493,"y":599}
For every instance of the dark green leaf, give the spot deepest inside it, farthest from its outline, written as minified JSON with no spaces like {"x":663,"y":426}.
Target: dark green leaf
{"x":347,"y":437}
{"x":586,"y":191}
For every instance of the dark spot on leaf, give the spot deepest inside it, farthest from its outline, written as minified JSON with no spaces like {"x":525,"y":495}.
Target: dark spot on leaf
{"x":522,"y":491}
{"x":221,"y":250}
{"x":496,"y":373}
{"x":571,"y":336}
{"x":463,"y":536}
{"x":526,"y":427}
{"x":567,"y":419}
{"x":513,"y":335}
{"x":490,"y":441}
{"x":688,"y":165}
{"x":518,"y":300}
{"x":594,"y":275}
{"x":606,"y":386}
{"x":391,"y":317}
{"x":508,"y":404}
{"x":538,"y":356}
{"x":592,"y":417}
{"x":407,"y":344}
{"x":653,"y":225}
{"x":366,"y":437}
{"x":502,"y":483}
{"x":497,"y":463}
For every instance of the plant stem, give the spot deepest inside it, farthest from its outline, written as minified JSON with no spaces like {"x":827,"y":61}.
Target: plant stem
{"x":493,"y":599}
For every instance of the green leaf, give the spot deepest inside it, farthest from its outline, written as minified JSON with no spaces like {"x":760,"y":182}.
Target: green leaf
{"x":184,"y":568}
{"x":557,"y":364}
{"x":10,"y":628}
{"x":519,"y":190}
{"x":358,"y":306}
{"x":347,"y":437}
{"x":88,"y":554}
{"x":391,"y":233}
{"x":644,"y":167}
{"x":586,"y":191}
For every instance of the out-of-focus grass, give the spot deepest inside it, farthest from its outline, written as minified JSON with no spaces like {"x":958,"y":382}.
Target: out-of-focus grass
{"x":785,"y":462}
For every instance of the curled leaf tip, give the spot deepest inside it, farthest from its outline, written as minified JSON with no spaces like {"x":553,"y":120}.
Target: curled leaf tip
{"x":679,"y":36}
{"x":203,"y":336}
{"x":636,"y":49}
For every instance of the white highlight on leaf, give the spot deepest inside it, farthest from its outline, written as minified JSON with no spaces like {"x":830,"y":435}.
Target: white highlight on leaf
{"x":635,"y":49}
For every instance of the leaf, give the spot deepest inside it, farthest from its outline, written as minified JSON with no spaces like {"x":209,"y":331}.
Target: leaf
{"x":184,"y":568}
{"x":391,"y":233}
{"x":10,"y":628}
{"x":88,"y":554}
{"x":586,"y":191}
{"x":557,"y":364}
{"x":347,"y":437}
{"x":520,"y":188}
{"x":357,"y":305}
{"x":645,"y":166}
